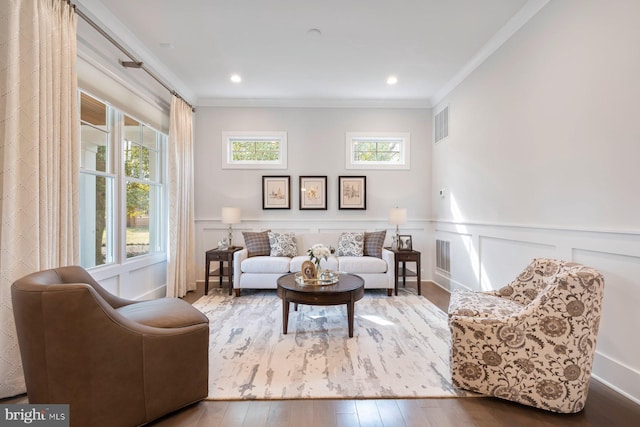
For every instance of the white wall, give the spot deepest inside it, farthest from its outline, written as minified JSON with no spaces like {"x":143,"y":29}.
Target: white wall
{"x":316,"y":146}
{"x":541,"y":160}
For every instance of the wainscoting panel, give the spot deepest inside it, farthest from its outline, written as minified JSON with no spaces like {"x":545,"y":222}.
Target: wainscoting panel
{"x":139,"y":278}
{"x":501,"y":260}
{"x":487,"y":256}
{"x":464,"y":270}
{"x":620,"y":314}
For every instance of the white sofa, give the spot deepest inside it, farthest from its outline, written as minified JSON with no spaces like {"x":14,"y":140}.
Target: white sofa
{"x":262,"y":272}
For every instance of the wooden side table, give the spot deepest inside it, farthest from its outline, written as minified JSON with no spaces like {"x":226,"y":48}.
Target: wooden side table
{"x":222,"y":256}
{"x":402,"y":256}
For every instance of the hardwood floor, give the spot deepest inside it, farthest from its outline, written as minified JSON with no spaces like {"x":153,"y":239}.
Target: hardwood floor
{"x":604,"y":407}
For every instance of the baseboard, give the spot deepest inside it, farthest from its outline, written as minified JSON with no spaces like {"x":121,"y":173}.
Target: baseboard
{"x":626,"y":378}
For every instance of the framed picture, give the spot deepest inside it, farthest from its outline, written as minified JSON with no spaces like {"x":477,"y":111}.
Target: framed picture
{"x":352,"y":192}
{"x":276,"y":192}
{"x":405,"y":243}
{"x":313,"y":192}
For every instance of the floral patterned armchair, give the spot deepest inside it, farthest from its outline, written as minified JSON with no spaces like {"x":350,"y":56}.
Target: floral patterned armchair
{"x":532,"y":341}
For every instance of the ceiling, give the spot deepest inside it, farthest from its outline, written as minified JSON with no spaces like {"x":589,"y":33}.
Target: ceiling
{"x":196,"y":45}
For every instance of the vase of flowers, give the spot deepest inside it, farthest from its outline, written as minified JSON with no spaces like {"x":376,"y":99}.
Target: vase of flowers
{"x":318,"y":252}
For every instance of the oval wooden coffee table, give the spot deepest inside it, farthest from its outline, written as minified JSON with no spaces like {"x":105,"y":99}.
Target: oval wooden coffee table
{"x":348,"y":290}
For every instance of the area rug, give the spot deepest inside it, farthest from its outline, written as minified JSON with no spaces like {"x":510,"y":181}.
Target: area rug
{"x":400,"y":348}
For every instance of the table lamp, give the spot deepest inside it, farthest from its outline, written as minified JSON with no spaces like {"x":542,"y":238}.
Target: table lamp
{"x":230,"y":216}
{"x":397,"y":216}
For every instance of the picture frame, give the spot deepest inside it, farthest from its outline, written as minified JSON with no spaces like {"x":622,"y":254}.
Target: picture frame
{"x":405,"y":243}
{"x":352,"y":193}
{"x":276,"y":192}
{"x":313,"y":193}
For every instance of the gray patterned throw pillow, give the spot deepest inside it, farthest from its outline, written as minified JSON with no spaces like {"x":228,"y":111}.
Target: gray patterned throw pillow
{"x":257,"y":243}
{"x":282,"y":244}
{"x":351,"y":244}
{"x":373,"y":243}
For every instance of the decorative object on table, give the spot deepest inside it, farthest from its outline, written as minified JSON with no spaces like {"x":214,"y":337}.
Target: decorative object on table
{"x":397,"y":217}
{"x":404,"y":242}
{"x":230,"y":216}
{"x":222,"y":244}
{"x":352,"y":192}
{"x":318,"y":252}
{"x":310,"y":276}
{"x":276,"y":192}
{"x":313,"y":193}
{"x":308,"y":270}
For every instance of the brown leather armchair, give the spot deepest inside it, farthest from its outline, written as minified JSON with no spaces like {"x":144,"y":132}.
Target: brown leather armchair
{"x":115,"y":362}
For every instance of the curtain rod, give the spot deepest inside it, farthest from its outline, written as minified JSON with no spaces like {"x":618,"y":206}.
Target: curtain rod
{"x":134,"y":63}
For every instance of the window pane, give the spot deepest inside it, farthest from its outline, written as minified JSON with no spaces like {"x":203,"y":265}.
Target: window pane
{"x":132,"y":130}
{"x":131,"y":155}
{"x":96,"y":229}
{"x":94,"y":145}
{"x":92,"y":111}
{"x":364,"y":146}
{"x":256,"y":150}
{"x":376,"y":151}
{"x":144,"y":166}
{"x":149,"y":138}
{"x":137,"y":236}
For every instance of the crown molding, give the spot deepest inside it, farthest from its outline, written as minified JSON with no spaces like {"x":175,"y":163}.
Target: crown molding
{"x":524,"y":15}
{"x":314,"y":103}
{"x":97,"y":12}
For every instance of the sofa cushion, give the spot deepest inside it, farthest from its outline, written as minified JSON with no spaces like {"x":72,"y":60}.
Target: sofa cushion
{"x":351,"y":244}
{"x":331,"y":263}
{"x":257,"y":243}
{"x":266,"y":264}
{"x":282,"y":244}
{"x":361,"y":264}
{"x":373,"y":243}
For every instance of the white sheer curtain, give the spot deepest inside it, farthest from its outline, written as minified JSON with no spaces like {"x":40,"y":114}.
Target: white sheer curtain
{"x":39,"y":155}
{"x":180,"y":266}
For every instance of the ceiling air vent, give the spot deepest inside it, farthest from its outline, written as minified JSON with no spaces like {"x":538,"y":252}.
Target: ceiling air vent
{"x":441,"y":122}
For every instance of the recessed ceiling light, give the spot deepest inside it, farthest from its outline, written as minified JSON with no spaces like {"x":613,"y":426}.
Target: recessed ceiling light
{"x":391,"y":80}
{"x":236,"y":78}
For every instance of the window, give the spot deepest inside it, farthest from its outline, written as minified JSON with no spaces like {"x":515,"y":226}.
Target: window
{"x":121,"y":185}
{"x":254,"y":150}
{"x":141,"y":156}
{"x":377,"y":150}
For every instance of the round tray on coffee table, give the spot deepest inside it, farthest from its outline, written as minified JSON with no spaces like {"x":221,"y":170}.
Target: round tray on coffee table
{"x":348,"y":290}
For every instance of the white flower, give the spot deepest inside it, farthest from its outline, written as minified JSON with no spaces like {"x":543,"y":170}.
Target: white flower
{"x":318,"y":251}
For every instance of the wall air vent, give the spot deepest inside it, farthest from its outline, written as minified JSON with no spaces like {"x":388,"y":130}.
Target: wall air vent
{"x":443,"y":256}
{"x":441,"y":124}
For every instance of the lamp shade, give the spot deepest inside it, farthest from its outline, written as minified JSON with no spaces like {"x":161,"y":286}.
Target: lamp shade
{"x":398,"y":216}
{"x":230,"y":215}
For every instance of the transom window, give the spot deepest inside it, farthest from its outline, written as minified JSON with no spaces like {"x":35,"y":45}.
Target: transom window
{"x":374,"y":150}
{"x":254,"y":150}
